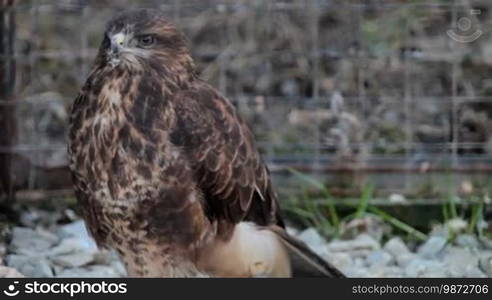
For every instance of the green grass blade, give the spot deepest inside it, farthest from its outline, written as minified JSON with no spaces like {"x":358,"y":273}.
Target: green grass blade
{"x":476,"y":214}
{"x":445,"y":213}
{"x":335,"y":219}
{"x":364,"y":200}
{"x":308,"y":179}
{"x":398,"y":224}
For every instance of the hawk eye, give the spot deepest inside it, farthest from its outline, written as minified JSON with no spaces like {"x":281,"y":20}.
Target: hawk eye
{"x":145,"y":40}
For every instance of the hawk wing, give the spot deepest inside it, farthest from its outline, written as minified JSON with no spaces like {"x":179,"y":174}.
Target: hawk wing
{"x":233,"y":179}
{"x":230,"y":172}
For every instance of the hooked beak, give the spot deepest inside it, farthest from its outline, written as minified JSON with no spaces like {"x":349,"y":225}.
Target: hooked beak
{"x":117,"y":43}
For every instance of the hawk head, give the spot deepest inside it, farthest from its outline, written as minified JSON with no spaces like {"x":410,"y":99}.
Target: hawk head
{"x":143,"y":39}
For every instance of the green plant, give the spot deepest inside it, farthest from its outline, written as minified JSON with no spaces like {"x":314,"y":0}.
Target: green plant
{"x":334,"y":217}
{"x":311,"y":211}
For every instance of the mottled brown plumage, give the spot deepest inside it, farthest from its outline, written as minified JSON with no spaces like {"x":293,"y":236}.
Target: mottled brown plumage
{"x":165,"y":170}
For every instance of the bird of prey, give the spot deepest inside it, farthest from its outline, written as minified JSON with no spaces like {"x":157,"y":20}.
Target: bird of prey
{"x":166,"y":171}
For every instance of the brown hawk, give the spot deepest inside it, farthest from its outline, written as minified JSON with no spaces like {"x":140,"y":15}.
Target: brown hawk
{"x":165,"y":170}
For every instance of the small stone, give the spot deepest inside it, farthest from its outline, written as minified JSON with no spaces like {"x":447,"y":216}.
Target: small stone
{"x":34,"y":217}
{"x":368,"y":225}
{"x":57,"y":270}
{"x":77,"y":230}
{"x":30,"y":266}
{"x":48,"y":236}
{"x":362,"y":245}
{"x":292,"y":231}
{"x":486,"y":243}
{"x":103,"y":257}
{"x":356,"y":272}
{"x":359,"y":262}
{"x":7,"y":272}
{"x":74,"y":260}
{"x":321,"y":250}
{"x":41,"y":269}
{"x":69,"y":245}
{"x":458,"y":260}
{"x":379,"y":258}
{"x":29,"y":242}
{"x":3,"y":252}
{"x":312,"y":237}
{"x":474,"y":272}
{"x":393,"y":272}
{"x":376,"y":271}
{"x":397,"y":199}
{"x":466,"y":187}
{"x":119,"y":268}
{"x":425,"y":268}
{"x":339,"y":260}
{"x":467,"y":240}
{"x":16,"y":260}
{"x":439,"y":230}
{"x":90,"y":271}
{"x":405,"y":258}
{"x":396,"y":247}
{"x":485,"y":264}
{"x":432,"y":247}
{"x":457,"y":225}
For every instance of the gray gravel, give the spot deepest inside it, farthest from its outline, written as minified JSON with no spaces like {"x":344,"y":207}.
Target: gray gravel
{"x":68,"y":251}
{"x":364,"y":256}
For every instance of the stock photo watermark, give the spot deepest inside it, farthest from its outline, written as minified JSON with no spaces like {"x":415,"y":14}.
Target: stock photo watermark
{"x":68,"y":288}
{"x":466,"y":29}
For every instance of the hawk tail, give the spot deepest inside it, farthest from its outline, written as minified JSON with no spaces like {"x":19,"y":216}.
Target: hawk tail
{"x":304,"y":261}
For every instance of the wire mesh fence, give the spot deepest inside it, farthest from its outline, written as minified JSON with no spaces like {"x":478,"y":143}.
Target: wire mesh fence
{"x":325,"y":85}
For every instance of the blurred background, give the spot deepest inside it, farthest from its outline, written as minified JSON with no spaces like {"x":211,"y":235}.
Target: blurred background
{"x":361,"y":108}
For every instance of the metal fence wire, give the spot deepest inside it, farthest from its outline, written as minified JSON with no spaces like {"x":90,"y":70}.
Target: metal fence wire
{"x":326,"y":85}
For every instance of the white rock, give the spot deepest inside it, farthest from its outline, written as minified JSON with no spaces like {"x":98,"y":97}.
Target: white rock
{"x":321,"y":250}
{"x":292,"y":231}
{"x":362,"y":243}
{"x":425,"y":268}
{"x":459,"y":260}
{"x":74,"y":260}
{"x":405,"y":258}
{"x":396,"y":247}
{"x":360,"y":263}
{"x":393,"y":271}
{"x":369,"y":225}
{"x":487,"y":243}
{"x":7,"y":272}
{"x":16,"y":260}
{"x":357,"y":272}
{"x":312,"y":237}
{"x":457,"y":225}
{"x":376,"y":271}
{"x":432,"y":247}
{"x":89,"y":272}
{"x":30,"y":242}
{"x":474,"y":272}
{"x":339,"y":259}
{"x":30,"y":266}
{"x":77,"y":230}
{"x":119,"y":268}
{"x":486,"y":264}
{"x":103,"y":257}
{"x":397,"y":199}
{"x":467,"y":240}
{"x":41,"y":269}
{"x":69,"y":245}
{"x":379,"y":258}
{"x":47,"y":235}
{"x":57,"y":270}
